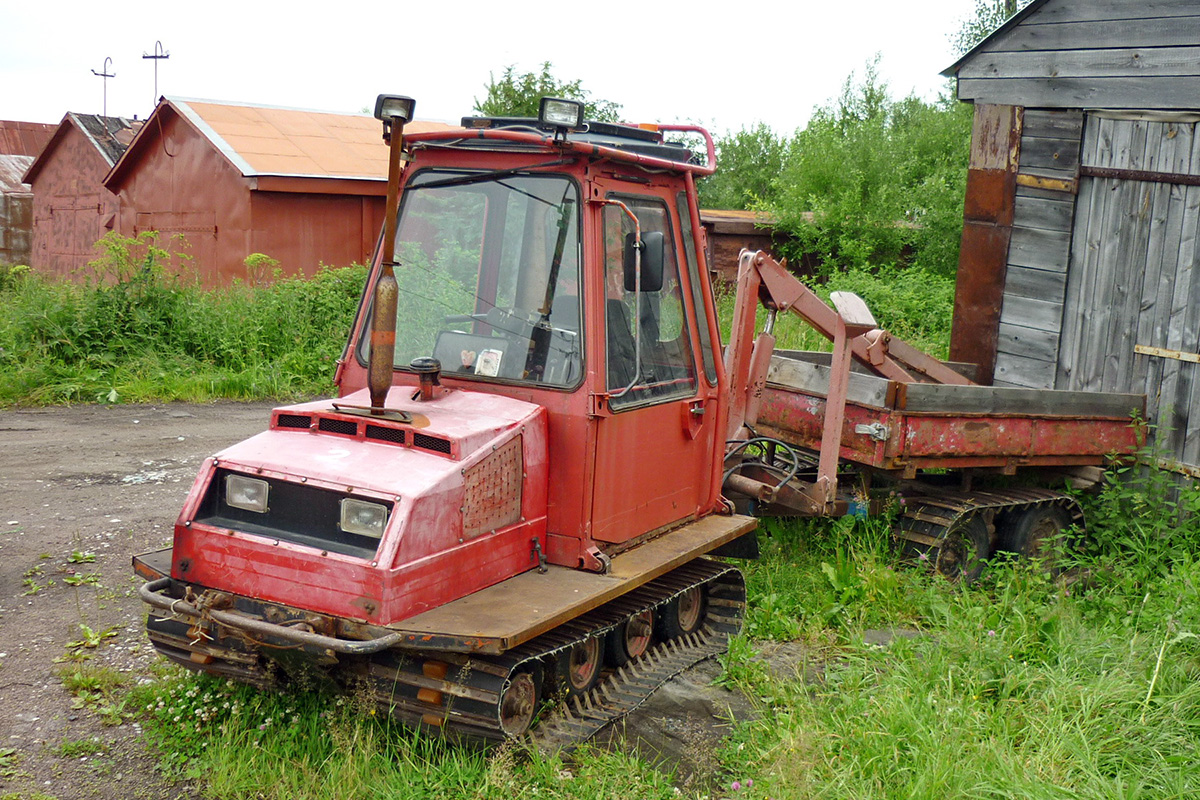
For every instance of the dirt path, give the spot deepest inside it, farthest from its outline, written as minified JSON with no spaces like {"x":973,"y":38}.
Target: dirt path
{"x":107,"y":481}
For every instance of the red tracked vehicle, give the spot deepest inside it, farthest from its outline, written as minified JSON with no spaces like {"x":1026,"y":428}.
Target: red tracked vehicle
{"x":521,"y":488}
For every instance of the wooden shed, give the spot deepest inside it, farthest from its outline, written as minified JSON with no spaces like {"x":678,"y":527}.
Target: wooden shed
{"x":71,"y":207}
{"x":728,"y":232}
{"x":20,"y":142}
{"x":303,"y":187}
{"x":1078,"y":267}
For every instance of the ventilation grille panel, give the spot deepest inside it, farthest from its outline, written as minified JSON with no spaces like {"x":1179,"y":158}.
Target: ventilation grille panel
{"x":492,"y":491}
{"x":303,"y":421}
{"x":382,"y":434}
{"x":426,"y":442}
{"x":343,"y":426}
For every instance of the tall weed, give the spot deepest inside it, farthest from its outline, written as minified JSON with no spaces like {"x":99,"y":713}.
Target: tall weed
{"x":134,"y":331}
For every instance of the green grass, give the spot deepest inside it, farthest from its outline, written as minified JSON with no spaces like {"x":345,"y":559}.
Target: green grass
{"x":134,"y":332}
{"x":1016,"y":686}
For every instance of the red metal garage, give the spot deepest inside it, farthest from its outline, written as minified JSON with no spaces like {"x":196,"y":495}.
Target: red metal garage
{"x":304,"y":187}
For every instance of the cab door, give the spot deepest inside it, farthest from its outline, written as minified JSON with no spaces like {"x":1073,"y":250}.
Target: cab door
{"x":655,"y":413}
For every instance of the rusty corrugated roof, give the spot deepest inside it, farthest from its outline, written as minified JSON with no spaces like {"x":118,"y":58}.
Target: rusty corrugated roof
{"x":265,"y":140}
{"x":24,"y":138}
{"x":12,"y":170}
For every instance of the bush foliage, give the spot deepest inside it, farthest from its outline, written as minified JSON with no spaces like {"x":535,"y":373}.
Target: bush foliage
{"x":871,"y":182}
{"x":135,"y":331}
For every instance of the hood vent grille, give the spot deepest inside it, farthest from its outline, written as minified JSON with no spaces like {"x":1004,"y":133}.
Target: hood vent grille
{"x":368,"y":431}
{"x":379,"y":433}
{"x":344,"y":427}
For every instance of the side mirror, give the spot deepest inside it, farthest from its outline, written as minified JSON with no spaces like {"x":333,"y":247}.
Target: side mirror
{"x":652,"y":261}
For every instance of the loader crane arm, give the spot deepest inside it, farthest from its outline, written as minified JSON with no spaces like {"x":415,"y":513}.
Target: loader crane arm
{"x":854,"y":333}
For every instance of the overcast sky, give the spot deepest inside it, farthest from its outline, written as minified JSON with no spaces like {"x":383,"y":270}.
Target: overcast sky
{"x":727,"y":65}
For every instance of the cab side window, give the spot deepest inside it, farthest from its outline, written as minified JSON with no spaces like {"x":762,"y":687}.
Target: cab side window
{"x":649,"y":352}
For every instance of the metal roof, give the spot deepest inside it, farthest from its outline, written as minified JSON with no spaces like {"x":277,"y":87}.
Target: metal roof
{"x":268,"y":140}
{"x":24,"y":138}
{"x":12,"y":172}
{"x":110,"y":135}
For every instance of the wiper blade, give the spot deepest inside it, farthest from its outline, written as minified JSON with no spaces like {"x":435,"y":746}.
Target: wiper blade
{"x":480,"y":177}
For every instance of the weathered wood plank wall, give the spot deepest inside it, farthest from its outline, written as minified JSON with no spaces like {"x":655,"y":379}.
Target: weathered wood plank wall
{"x":1095,"y":54}
{"x":1133,"y":278}
{"x":1036,"y":279}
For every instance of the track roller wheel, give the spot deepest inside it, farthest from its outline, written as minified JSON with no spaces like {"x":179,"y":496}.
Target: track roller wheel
{"x":1037,"y":532}
{"x":579,"y":666}
{"x":964,"y":549}
{"x":631,"y":639}
{"x":683,"y":614}
{"x":519,"y":702}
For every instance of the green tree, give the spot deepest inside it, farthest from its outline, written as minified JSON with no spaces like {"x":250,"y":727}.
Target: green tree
{"x":988,"y":16}
{"x":748,"y":164}
{"x":875,"y":182}
{"x":518,"y":95}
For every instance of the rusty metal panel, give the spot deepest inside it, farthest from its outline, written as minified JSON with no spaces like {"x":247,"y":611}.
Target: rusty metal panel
{"x":71,"y":208}
{"x":979,"y":295}
{"x":529,"y":604}
{"x":987,"y":231}
{"x":24,"y":138}
{"x":287,"y":141}
{"x":492,"y":491}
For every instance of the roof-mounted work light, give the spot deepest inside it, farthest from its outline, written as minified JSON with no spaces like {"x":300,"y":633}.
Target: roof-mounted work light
{"x":561,"y":115}
{"x":391,"y":109}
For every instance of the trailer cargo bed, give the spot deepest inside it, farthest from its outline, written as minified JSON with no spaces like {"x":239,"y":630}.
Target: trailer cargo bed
{"x":902,"y":427}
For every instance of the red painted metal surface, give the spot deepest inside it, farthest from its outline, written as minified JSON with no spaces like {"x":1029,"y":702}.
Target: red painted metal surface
{"x":924,"y":440}
{"x":616,"y":476}
{"x":424,"y":558}
{"x":231,"y":198}
{"x":71,"y":207}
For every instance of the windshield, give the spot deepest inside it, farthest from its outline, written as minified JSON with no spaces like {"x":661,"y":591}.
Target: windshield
{"x":488,"y":269}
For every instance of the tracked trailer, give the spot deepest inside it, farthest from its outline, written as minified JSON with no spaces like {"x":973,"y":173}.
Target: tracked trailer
{"x":540,"y":462}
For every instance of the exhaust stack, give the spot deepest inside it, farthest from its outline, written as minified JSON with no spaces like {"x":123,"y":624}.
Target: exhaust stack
{"x":393,"y":111}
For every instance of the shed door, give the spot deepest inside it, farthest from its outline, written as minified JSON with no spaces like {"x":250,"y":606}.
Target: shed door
{"x":1132,"y":282}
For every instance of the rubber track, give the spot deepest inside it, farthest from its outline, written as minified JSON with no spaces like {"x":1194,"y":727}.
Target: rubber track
{"x":927,"y":519}
{"x":465,"y":701}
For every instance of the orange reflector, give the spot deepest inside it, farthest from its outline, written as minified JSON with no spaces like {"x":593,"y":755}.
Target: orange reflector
{"x":435,"y":669}
{"x":431,"y":696}
{"x":201,"y":658}
{"x":432,"y":719}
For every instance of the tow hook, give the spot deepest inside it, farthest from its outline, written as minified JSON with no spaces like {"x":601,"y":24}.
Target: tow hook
{"x":539,"y":555}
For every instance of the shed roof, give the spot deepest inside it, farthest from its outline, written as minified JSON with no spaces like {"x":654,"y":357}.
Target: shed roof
{"x":1094,"y":54}
{"x":1011,"y":23}
{"x":260,"y":140}
{"x":24,"y":138}
{"x":12,"y":170}
{"x":109,"y":135}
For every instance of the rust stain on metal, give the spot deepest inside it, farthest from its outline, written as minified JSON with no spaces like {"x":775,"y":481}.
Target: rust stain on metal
{"x":982,"y":265}
{"x":987,"y":229}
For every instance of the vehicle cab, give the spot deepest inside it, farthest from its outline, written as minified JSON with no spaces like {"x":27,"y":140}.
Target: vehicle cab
{"x":560,"y":263}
